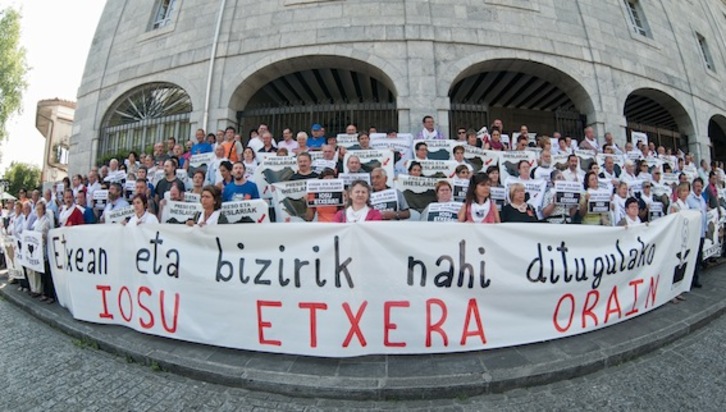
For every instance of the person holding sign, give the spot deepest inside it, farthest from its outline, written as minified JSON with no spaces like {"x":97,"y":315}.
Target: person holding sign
{"x":594,"y":208}
{"x":518,"y":210}
{"x":358,"y":207}
{"x":618,"y":201}
{"x":324,"y":213}
{"x":141,"y":215}
{"x":304,"y":167}
{"x":555,"y":211}
{"x":478,"y":206}
{"x":414,"y":169}
{"x":115,"y":201}
{"x":176,"y":194}
{"x":400,"y":206}
{"x":35,"y":279}
{"x":211,"y":205}
{"x":631,"y":213}
{"x":443,"y":196}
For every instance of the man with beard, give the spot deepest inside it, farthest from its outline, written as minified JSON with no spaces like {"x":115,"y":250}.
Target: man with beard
{"x":164,"y":184}
{"x":240,"y":188}
{"x":115,"y":199}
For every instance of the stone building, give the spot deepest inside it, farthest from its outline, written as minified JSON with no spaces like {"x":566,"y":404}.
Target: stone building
{"x":167,"y":67}
{"x":54,"y":120}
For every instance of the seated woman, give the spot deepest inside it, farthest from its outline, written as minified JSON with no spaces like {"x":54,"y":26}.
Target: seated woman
{"x":141,"y":216}
{"x":197,"y":182}
{"x":631,"y":213}
{"x":517,"y":210}
{"x":443,"y":195}
{"x":493,"y":173}
{"x":211,"y":205}
{"x":478,"y":206}
{"x":359,"y":205}
{"x":324,"y":213}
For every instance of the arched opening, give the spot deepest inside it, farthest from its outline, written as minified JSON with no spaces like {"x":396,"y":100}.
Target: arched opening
{"x":519,"y":92}
{"x":143,"y":116}
{"x":717,"y":134}
{"x":658,"y":115}
{"x":330,"y":90}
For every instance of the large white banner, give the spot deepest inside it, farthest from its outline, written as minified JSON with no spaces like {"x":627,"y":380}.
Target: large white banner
{"x":340,"y":290}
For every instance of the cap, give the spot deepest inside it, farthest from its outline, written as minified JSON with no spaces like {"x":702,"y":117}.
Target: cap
{"x":316,"y":127}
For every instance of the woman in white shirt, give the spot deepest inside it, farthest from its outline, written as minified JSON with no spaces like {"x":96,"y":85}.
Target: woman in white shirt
{"x":682,"y":192}
{"x":42,"y":225}
{"x":250,"y":161}
{"x":141,"y":214}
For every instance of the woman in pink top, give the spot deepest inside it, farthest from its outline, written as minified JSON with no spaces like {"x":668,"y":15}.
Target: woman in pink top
{"x":359,"y":207}
{"x":478,"y":206}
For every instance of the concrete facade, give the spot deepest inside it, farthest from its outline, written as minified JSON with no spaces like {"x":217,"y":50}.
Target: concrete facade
{"x":419,"y":48}
{"x":54,"y":120}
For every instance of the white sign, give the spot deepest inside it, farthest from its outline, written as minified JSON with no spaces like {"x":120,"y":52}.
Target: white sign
{"x":33,"y":250}
{"x":385,"y":200}
{"x":599,"y":201}
{"x":567,"y":193}
{"x":349,"y":178}
{"x":637,"y":138}
{"x":315,"y":290}
{"x":192,"y":197}
{"x":325,"y":192}
{"x":202,"y":159}
{"x":346,"y":140}
{"x":290,"y":201}
{"x":509,"y":161}
{"x":480,"y":159}
{"x":246,"y":211}
{"x":459,"y":188}
{"x":273,"y":170}
{"x":443,"y":212}
{"x":371,"y":159}
{"x":119,"y":214}
{"x":418,"y":191}
{"x":438,"y":149}
{"x":440,"y":169}
{"x":179,"y":212}
{"x":100,"y":198}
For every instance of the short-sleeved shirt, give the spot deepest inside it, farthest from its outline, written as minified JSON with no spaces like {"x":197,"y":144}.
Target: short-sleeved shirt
{"x":164,"y":185}
{"x":247,"y":190}
{"x":203,"y":147}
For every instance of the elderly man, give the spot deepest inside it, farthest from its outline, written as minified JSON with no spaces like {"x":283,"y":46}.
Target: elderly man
{"x":400,"y":210}
{"x":544,"y":169}
{"x":201,"y":146}
{"x":353,"y":165}
{"x":267,"y":146}
{"x":590,"y":141}
{"x":213,"y":175}
{"x":327,"y":161}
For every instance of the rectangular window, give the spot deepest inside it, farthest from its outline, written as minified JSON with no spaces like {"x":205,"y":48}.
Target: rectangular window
{"x":637,"y":18}
{"x":164,"y":13}
{"x":704,"y":51}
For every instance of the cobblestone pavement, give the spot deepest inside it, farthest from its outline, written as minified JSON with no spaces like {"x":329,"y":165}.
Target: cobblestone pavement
{"x":45,"y":369}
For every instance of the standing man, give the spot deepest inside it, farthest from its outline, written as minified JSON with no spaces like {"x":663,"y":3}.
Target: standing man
{"x":573,"y":172}
{"x":240,"y":188}
{"x":201,"y":146}
{"x":164,"y":184}
{"x":429,"y":131}
{"x":696,"y":201}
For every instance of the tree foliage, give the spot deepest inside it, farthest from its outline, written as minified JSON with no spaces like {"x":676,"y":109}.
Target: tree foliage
{"x":13,"y":67}
{"x":22,"y":175}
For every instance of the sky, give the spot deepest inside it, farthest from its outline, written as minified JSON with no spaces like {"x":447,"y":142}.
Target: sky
{"x":57,"y":35}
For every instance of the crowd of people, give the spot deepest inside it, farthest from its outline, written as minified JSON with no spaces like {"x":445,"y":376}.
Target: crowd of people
{"x":628,"y":182}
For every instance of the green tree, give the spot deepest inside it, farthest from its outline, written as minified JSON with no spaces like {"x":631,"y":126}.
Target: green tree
{"x":21,"y":175}
{"x":13,"y":67}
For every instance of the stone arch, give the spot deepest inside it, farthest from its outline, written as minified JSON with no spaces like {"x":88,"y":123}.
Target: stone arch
{"x":660,"y":115}
{"x":717,"y":134}
{"x":524,"y":87}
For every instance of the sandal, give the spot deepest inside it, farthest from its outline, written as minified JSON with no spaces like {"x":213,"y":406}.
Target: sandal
{"x":43,"y":298}
{"x":675,"y":301}
{"x":50,"y":301}
{"x":681,"y":298}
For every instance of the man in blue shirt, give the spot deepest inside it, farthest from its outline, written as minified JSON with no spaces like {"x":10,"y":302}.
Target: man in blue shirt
{"x":317,"y":137}
{"x":201,"y":146}
{"x":240,"y":188}
{"x":696,"y":202}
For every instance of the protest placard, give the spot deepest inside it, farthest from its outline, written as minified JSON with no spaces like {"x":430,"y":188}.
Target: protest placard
{"x":246,"y":211}
{"x":385,"y":200}
{"x":324,"y":192}
{"x":567,"y":193}
{"x":599,"y":201}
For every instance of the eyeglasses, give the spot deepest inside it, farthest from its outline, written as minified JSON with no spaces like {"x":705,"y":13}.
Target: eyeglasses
{"x":461,"y":132}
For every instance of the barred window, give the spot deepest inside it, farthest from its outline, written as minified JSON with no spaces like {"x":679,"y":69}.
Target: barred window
{"x":164,"y":12}
{"x":705,"y":52}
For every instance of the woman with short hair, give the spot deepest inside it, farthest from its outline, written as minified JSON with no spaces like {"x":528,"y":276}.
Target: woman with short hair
{"x":211,"y":213}
{"x":518,"y":210}
{"x":141,"y":215}
{"x":358,"y":208}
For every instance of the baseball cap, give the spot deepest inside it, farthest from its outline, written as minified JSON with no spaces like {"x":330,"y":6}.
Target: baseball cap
{"x":316,"y":127}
